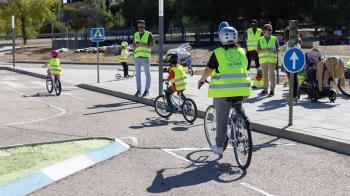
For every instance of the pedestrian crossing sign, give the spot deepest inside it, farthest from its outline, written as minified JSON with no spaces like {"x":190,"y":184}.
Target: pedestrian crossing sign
{"x":97,"y":34}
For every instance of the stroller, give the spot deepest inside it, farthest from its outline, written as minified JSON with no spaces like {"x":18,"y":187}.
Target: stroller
{"x":308,"y":79}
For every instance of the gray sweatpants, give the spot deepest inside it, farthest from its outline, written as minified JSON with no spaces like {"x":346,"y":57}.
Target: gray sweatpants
{"x":222,"y":109}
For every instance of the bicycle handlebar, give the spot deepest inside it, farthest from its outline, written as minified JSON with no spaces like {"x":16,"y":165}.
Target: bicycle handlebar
{"x":201,"y":84}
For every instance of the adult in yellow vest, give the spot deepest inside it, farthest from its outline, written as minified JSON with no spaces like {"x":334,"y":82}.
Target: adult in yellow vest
{"x":267,"y":48}
{"x":252,"y":36}
{"x":230,"y":81}
{"x":143,"y":43}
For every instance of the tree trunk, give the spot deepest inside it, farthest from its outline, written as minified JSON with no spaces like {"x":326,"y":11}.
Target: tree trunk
{"x":197,"y":34}
{"x":24,"y":32}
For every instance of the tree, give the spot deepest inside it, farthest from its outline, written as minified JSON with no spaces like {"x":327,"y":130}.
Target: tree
{"x":83,"y":15}
{"x":31,"y":14}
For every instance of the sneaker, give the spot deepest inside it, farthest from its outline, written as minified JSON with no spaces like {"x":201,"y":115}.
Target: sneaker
{"x":169,"y":108}
{"x":138,"y":94}
{"x":217,"y":150}
{"x":146,"y":93}
{"x":272,"y":93}
{"x":263,"y":93}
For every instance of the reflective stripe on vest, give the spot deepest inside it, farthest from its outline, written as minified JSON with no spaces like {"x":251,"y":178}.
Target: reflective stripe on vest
{"x":142,"y":51}
{"x":232,"y":79}
{"x":267,"y":57}
{"x":180,"y":77}
{"x":252,"y":39}
{"x":55,"y":66}
{"x":122,"y":57}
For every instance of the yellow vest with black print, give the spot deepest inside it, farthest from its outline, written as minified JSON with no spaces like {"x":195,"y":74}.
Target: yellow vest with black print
{"x":252,"y":39}
{"x":55,"y":66}
{"x":123,"y":56}
{"x":142,"y":51}
{"x":180,"y":77}
{"x":233,"y":79}
{"x":267,"y":57}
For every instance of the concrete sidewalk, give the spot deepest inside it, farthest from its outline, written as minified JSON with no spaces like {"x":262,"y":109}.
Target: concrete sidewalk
{"x":321,"y":124}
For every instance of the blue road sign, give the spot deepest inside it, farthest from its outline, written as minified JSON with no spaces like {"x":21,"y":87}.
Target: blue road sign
{"x":294,"y":60}
{"x":97,"y":34}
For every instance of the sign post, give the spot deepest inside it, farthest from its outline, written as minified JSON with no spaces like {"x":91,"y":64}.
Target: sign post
{"x":160,"y":44}
{"x":97,"y":35}
{"x":13,"y":41}
{"x":293,"y":62}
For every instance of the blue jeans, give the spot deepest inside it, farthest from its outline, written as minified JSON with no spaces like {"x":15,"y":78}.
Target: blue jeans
{"x":146,"y":66}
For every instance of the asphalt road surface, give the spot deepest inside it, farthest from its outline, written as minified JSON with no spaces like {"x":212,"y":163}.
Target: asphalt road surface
{"x":168,"y":157}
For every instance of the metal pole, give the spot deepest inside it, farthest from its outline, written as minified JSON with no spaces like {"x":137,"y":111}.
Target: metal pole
{"x":160,"y":44}
{"x":291,"y":96}
{"x":13,"y":41}
{"x":52,"y":35}
{"x":98,"y":63}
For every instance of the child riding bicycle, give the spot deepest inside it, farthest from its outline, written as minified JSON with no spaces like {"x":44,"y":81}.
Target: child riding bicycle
{"x":177,"y":76}
{"x":230,"y":81}
{"x":54,"y":65}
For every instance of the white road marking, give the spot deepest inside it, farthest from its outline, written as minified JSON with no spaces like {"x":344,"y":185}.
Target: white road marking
{"x":70,"y":95}
{"x":255,"y":189}
{"x":37,"y":120}
{"x":133,"y":139}
{"x":10,"y":78}
{"x":177,"y":156}
{"x":38,"y":83}
{"x":12,"y":84}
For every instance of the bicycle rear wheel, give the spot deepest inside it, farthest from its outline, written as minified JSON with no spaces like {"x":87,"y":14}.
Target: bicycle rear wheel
{"x":49,"y":85}
{"x":189,"y":110}
{"x":58,"y":87}
{"x":241,"y":141}
{"x":160,"y":105}
{"x":210,"y":125}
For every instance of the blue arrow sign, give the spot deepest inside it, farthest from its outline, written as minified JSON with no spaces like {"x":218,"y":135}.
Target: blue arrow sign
{"x":97,"y":34}
{"x":294,"y":60}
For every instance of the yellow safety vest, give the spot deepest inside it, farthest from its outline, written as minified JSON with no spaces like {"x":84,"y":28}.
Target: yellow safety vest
{"x":233,"y":79}
{"x":267,"y":57}
{"x":123,"y":56}
{"x":180,"y":77}
{"x":348,"y":64}
{"x":144,"y":52}
{"x":252,"y":39}
{"x":55,"y":66}
{"x":258,"y":83}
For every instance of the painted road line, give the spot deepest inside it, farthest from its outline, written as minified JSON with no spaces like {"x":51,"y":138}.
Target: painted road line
{"x":177,"y":156}
{"x":70,"y":95}
{"x":46,"y":176}
{"x":62,"y":111}
{"x":12,"y":84}
{"x":133,"y":140}
{"x":255,"y":189}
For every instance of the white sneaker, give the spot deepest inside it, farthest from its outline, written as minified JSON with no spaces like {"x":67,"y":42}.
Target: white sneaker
{"x":217,"y":150}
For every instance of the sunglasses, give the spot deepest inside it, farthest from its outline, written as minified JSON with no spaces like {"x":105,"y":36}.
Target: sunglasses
{"x":268,"y":30}
{"x":140,"y":27}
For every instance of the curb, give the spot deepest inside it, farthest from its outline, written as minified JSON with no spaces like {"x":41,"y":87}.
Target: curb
{"x":86,"y":63}
{"x":317,"y":141}
{"x":48,"y":175}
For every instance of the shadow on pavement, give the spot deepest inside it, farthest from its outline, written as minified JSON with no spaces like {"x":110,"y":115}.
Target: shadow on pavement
{"x":158,"y":122}
{"x":196,"y":174}
{"x":114,"y":105}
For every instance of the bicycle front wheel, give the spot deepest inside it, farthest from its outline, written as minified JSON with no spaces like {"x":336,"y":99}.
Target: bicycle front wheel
{"x":189,"y":110}
{"x":160,"y":105}
{"x":241,"y":141}
{"x":49,"y":85}
{"x":58,"y":87}
{"x":190,"y":70}
{"x":210,"y":125}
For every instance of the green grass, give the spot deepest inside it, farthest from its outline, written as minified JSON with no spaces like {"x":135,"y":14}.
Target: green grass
{"x":20,"y":161}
